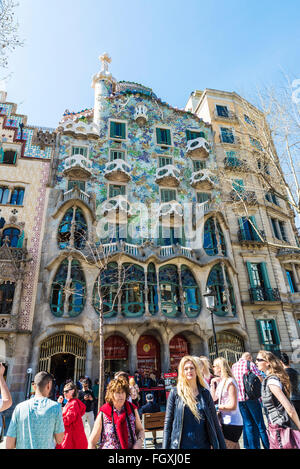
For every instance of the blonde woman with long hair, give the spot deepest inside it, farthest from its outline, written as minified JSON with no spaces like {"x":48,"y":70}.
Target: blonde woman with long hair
{"x":191,"y":421}
{"x":206,"y":370}
{"x":226,"y":393}
{"x":283,"y":420}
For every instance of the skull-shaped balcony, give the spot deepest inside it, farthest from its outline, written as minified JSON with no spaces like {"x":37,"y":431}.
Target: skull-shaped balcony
{"x":170,"y":209}
{"x":198,"y":147}
{"x":117,"y":170}
{"x":168,"y":175}
{"x":118,"y":204}
{"x":141,"y":114}
{"x":78,"y":166}
{"x":202,"y":179}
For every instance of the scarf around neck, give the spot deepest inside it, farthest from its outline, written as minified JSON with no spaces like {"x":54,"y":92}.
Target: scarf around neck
{"x":120,"y":421}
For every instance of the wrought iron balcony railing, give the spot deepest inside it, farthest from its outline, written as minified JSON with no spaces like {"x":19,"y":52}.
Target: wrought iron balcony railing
{"x":244,"y":196}
{"x":264,"y":294}
{"x":229,"y":116}
{"x":251,"y":237}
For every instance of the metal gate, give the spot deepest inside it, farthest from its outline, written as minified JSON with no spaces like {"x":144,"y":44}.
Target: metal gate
{"x":230,"y":346}
{"x":63,"y":343}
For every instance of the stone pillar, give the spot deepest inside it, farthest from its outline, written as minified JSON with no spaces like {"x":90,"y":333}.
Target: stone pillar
{"x":146,"y":293}
{"x":226,"y":288}
{"x":296,"y":276}
{"x":17,"y":298}
{"x":166,"y":357}
{"x":181,"y":293}
{"x":158,"y":292}
{"x":132,"y":358}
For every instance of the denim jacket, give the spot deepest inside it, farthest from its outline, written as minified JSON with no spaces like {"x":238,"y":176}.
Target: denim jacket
{"x":174,"y":420}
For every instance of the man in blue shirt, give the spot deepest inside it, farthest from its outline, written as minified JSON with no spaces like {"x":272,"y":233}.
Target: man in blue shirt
{"x":37,"y":423}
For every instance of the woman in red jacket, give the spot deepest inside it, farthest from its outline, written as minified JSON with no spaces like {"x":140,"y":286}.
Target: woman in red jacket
{"x":73,"y":412}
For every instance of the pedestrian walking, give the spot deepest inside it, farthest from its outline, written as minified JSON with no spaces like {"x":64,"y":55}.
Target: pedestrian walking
{"x":134,"y":392}
{"x":226,"y":393}
{"x":5,"y":397}
{"x":191,"y":421}
{"x":251,"y":410}
{"x":73,"y":411}
{"x":150,"y":407}
{"x":294,"y":379}
{"x":207,"y":371}
{"x":37,"y":423}
{"x":283,"y":420}
{"x":118,"y":425}
{"x":87,"y":397}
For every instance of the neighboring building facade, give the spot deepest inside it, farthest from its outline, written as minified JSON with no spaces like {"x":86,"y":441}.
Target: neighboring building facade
{"x":25,"y":160}
{"x":262,"y":227}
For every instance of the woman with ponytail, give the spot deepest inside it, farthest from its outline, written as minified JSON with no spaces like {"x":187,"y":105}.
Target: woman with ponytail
{"x":283,"y":420}
{"x":191,"y":421}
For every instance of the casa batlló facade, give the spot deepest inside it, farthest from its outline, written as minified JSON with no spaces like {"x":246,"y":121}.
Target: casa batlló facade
{"x":137,"y":218}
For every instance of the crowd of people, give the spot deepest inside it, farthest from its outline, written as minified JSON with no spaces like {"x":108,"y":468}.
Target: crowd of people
{"x":211,"y":407}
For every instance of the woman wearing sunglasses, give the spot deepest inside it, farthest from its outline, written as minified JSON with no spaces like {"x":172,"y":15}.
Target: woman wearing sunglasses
{"x":73,"y":412}
{"x":284,"y":423}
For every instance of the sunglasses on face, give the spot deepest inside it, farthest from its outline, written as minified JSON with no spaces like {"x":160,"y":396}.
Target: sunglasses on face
{"x":260,"y":360}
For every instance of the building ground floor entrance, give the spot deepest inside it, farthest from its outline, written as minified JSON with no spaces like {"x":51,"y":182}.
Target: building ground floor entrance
{"x":62,"y":367}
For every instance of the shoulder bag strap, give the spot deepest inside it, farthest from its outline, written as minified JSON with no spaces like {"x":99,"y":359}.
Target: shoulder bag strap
{"x":128,"y":423}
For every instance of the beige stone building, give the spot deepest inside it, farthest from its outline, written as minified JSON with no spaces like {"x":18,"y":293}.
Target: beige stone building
{"x":25,"y":160}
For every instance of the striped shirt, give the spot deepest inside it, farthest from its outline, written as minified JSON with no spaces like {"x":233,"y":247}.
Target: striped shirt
{"x":239,"y":369}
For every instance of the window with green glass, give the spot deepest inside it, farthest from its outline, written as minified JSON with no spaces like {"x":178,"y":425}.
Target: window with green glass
{"x":291,"y":281}
{"x":164,"y":161}
{"x":117,"y":155}
{"x":210,"y":243}
{"x":115,"y":190}
{"x":191,"y":293}
{"x":216,"y":281}
{"x":108,"y":289}
{"x":133,"y":290}
{"x":202,"y":197}
{"x":117,"y":130}
{"x":268,"y":334}
{"x":79,"y":184}
{"x":238,"y":185}
{"x":198,"y":165}
{"x":7,"y":291}
{"x":282,"y":228}
{"x":79,"y":151}
{"x":163,"y":137}
{"x":193,"y":134}
{"x":169,"y":291}
{"x":227,"y":135}
{"x":166,"y":195}
{"x":222,"y":111}
{"x":255,"y":143}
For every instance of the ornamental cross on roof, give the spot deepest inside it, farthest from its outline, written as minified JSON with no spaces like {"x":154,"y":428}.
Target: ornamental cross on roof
{"x":105,"y":60}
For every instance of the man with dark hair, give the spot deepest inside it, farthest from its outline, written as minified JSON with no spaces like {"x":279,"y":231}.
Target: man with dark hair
{"x":294,"y":379}
{"x":87,"y":397}
{"x":37,"y":423}
{"x":150,"y":408}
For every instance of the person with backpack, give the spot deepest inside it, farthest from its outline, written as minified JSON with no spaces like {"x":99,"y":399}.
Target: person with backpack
{"x":249,"y":379}
{"x":283,"y":420}
{"x":118,"y":425}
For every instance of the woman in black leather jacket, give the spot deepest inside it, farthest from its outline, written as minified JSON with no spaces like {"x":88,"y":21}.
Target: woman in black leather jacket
{"x":191,"y":421}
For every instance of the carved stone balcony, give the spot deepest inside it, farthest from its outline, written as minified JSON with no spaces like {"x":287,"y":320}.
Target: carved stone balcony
{"x":77,"y":166}
{"x":168,"y":175}
{"x":198,"y":147}
{"x":116,"y":204}
{"x":248,"y":197}
{"x":141,"y":114}
{"x":75,"y":193}
{"x":172,"y":208}
{"x":289,"y":254}
{"x":117,"y":170}
{"x":202,"y":179}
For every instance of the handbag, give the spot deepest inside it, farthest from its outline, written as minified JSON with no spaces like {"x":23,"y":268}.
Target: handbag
{"x":283,"y":437}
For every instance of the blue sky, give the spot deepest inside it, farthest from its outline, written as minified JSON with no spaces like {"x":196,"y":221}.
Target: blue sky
{"x":172,"y":46}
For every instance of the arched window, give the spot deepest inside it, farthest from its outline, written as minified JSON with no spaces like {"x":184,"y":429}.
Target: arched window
{"x":65,"y":229}
{"x":169,"y":291}
{"x":68,"y":300}
{"x":133,"y":297}
{"x":216,"y":280}
{"x":210,"y":238}
{"x":108,"y":292}
{"x":7,"y":291}
{"x":4,"y":194}
{"x":17,"y":196}
{"x":13,"y":235}
{"x":191,"y":293}
{"x":152,"y":289}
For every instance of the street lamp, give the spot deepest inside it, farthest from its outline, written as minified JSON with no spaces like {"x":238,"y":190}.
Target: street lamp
{"x":210,"y":301}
